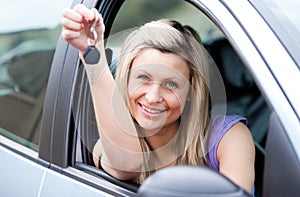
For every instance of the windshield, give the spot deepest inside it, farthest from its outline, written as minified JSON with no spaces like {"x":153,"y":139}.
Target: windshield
{"x":283,"y":16}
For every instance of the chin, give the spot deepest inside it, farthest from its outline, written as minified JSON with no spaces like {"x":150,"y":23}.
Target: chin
{"x":150,"y":128}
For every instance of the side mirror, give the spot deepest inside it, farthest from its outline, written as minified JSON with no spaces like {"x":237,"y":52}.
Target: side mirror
{"x":197,"y":181}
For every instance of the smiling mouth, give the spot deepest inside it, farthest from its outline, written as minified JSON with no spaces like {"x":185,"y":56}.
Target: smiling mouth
{"x":152,"y":111}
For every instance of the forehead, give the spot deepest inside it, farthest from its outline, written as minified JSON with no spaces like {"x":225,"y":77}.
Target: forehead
{"x":162,"y":63}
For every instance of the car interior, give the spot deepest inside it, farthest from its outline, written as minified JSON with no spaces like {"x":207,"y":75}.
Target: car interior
{"x":243,"y":98}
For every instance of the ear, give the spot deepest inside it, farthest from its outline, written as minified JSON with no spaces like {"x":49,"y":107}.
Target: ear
{"x":189,"y":96}
{"x":188,"y":99}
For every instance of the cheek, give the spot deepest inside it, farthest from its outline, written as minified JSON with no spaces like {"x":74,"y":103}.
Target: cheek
{"x":132,"y":97}
{"x":181,"y":99}
{"x":134,"y":87}
{"x":132,"y":106}
{"x":130,"y":88}
{"x":175,"y":102}
{"x":134,"y":94}
{"x":175,"y":106}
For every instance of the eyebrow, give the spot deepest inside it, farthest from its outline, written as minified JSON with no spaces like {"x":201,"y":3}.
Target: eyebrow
{"x":143,"y":71}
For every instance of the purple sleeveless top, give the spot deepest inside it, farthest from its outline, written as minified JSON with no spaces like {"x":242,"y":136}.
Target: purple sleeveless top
{"x":219,"y":127}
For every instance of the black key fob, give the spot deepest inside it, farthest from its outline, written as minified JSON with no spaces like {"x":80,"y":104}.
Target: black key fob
{"x":91,"y":55}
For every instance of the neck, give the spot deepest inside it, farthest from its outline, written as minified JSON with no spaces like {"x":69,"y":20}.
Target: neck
{"x":163,"y":136}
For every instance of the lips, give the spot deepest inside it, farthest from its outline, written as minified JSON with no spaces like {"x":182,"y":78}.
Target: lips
{"x":152,"y":110}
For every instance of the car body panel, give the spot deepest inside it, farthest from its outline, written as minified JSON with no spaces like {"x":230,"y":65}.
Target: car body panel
{"x":36,"y":180}
{"x":51,"y":170}
{"x":27,"y":175}
{"x":280,"y":151}
{"x":264,"y":64}
{"x":281,"y":65}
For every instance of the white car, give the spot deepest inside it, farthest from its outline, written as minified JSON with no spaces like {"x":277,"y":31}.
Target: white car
{"x":47,"y":123}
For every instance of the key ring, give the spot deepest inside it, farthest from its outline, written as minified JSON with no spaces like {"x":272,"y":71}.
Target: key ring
{"x":93,"y":30}
{"x":91,"y":54}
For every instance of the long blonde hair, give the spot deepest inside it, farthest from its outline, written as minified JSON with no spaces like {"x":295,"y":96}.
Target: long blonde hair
{"x":171,"y":37}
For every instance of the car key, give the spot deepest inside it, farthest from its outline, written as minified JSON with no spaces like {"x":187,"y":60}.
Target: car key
{"x":91,"y":54}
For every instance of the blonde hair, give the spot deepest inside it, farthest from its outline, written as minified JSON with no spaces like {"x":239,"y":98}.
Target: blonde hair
{"x":171,"y":37}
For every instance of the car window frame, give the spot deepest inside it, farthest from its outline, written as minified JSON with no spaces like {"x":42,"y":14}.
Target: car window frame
{"x":202,"y":7}
{"x":267,"y":72}
{"x":288,"y":36}
{"x":58,"y":133}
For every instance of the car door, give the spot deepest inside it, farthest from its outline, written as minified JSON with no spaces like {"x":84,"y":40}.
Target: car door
{"x":274,"y":65}
{"x":55,"y":156}
{"x":28,"y":43}
{"x":268,"y":65}
{"x":74,"y":131}
{"x":218,"y":28}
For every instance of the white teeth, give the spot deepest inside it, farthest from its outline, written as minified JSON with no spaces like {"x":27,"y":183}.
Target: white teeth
{"x":151,"y":111}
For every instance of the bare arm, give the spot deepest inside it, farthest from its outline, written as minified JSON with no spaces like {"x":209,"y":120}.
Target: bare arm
{"x":120,"y":147}
{"x":236,"y":155}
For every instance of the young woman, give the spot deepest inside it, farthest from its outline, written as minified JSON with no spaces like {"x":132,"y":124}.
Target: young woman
{"x":156,"y":112}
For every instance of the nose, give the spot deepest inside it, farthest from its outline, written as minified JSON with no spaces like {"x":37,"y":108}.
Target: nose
{"x":153,"y":93}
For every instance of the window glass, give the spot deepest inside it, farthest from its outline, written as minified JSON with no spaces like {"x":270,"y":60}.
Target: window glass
{"x":142,"y":11}
{"x":245,"y":103}
{"x":28,"y":37}
{"x":242,"y":95}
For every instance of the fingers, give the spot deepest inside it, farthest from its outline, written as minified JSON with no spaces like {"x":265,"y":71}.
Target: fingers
{"x":100,"y":27}
{"x":91,"y":16}
{"x":77,"y":18}
{"x":71,"y":24}
{"x":72,"y":15}
{"x":86,"y":13}
{"x":77,"y":22}
{"x":69,"y":35}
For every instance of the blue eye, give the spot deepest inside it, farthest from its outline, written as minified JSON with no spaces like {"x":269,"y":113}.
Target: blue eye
{"x":171,"y":85}
{"x":143,"y":78}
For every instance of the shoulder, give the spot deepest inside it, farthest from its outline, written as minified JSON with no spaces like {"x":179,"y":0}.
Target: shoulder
{"x":237,"y":139}
{"x":229,"y":130}
{"x":219,"y":127}
{"x":225,"y":122}
{"x":231,"y":149}
{"x":236,"y":155}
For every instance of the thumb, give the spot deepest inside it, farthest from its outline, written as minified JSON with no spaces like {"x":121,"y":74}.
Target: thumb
{"x":98,"y":23}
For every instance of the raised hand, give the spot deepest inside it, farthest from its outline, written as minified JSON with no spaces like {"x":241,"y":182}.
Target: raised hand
{"x":77,"y":23}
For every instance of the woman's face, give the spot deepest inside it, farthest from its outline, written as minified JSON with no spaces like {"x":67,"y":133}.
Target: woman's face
{"x":158,"y":87}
